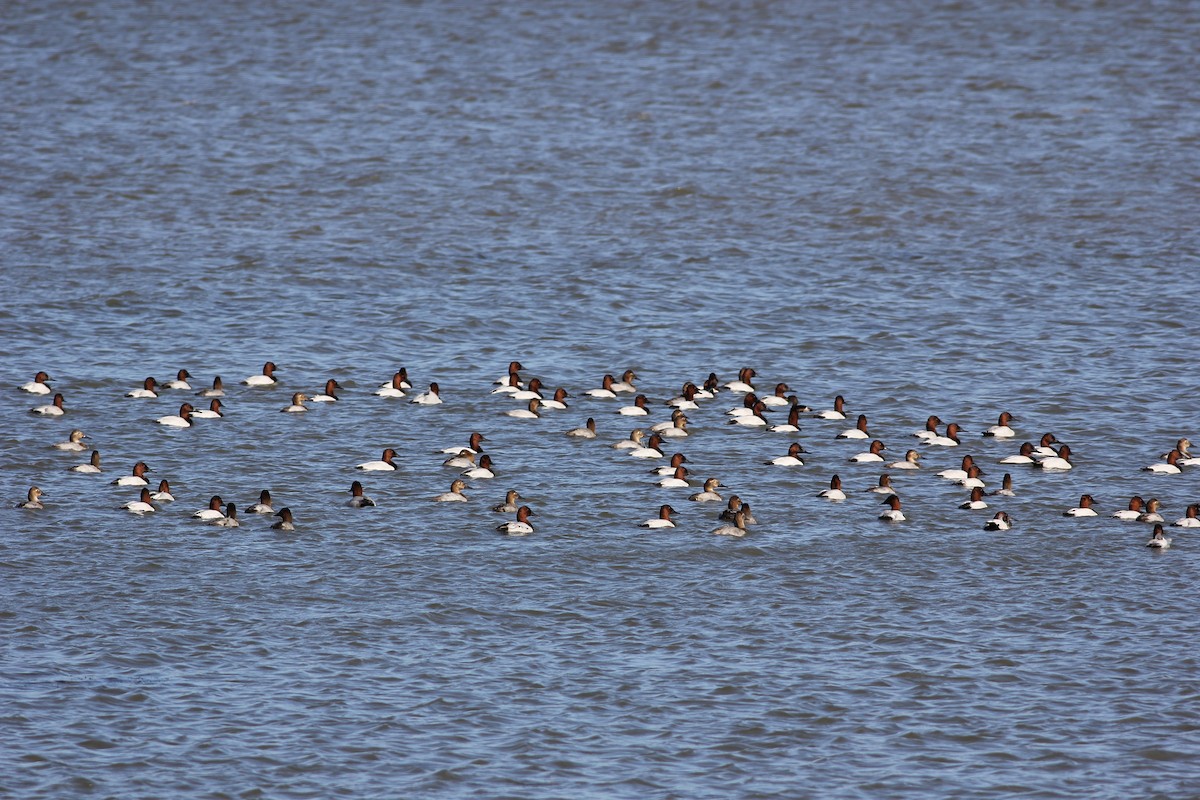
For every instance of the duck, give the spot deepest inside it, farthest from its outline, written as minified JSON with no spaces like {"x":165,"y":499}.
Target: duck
{"x":626,"y":383}
{"x":217,"y":390}
{"x":949,"y":440}
{"x":286,"y":523}
{"x":893,"y":514}
{"x":837,"y":412}
{"x":384,"y":464}
{"x":1005,"y":489}
{"x":1190,"y":519}
{"x":742,"y":384}
{"x":738,"y":528}
{"x":1159,"y":541}
{"x":464,"y":460}
{"x":872,"y":454}
{"x":653,"y":448}
{"x":1084,"y":509}
{"x":263,"y":506}
{"x":455,"y":495}
{"x":514,"y":368}
{"x":793,"y":421}
{"x":530,"y":412}
{"x":180,"y":382}
{"x":976,"y":503}
{"x":663,"y":520}
{"x":1136,"y":507}
{"x":749,"y":401}
{"x":675,"y":429}
{"x":633,"y":442}
{"x":181,"y":420}
{"x":960,"y":474}
{"x":1060,"y":462}
{"x":92,"y":467}
{"x":474,"y":445}
{"x":532,"y":392}
{"x":1001,"y":429}
{"x":395,"y":387}
{"x":606,"y":389}
{"x":511,"y":387}
{"x":1171,"y":466}
{"x":509,"y":506}
{"x":931,"y":428}
{"x":230,"y":519}
{"x":1043,"y":449}
{"x":266,"y":378}
{"x":669,"y":469}
{"x":972,"y":481}
{"x":779,"y":399}
{"x":676,"y":481}
{"x":39,"y":384}
{"x":710,"y":388}
{"x":147,"y":390}
{"x":638,"y":409}
{"x":432,"y":397}
{"x":859,"y":431}
{"x":734,"y":507}
{"x":520,"y":526}
{"x":482,"y":471}
{"x":54,"y":409}
{"x":1000,"y":522}
{"x":212,"y":412}
{"x":357,"y":498}
{"x":330,"y":394}
{"x":708,"y":494}
{"x":1025,"y":456}
{"x":834,"y":492}
{"x":142,"y":505}
{"x":1183,"y":445}
{"x":558,"y":402}
{"x":686,"y":399}
{"x":792,"y":459}
{"x":752,"y":420}
{"x":33,"y":498}
{"x":588,"y":431}
{"x":136,"y":478}
{"x":212,"y":512}
{"x":1151,"y":514}
{"x":163,"y":495}
{"x":884,"y":486}
{"x":911,"y":458}
{"x":74,"y":442}
{"x":297,"y":405}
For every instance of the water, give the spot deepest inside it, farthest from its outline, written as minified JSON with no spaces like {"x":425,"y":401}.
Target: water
{"x":959,"y":209}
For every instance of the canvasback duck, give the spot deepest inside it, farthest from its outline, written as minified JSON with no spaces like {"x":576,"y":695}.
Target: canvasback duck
{"x":960,"y":474}
{"x":180,"y":382}
{"x":92,"y":467}
{"x":676,"y":460}
{"x":677,"y":416}
{"x":514,"y":368}
{"x":464,"y":460}
{"x":931,"y":428}
{"x":976,"y":503}
{"x":588,"y":431}
{"x":793,"y":421}
{"x":638,"y":409}
{"x":230,"y":519}
{"x":520,"y":526}
{"x":532,"y":392}
{"x":736,"y":506}
{"x":1025,"y":456}
{"x":749,"y":401}
{"x":1001,"y":522}
{"x":910,"y":461}
{"x":738,"y":528}
{"x":950,"y":439}
{"x":893,"y":514}
{"x":663,"y":520}
{"x":1190,"y":519}
{"x":163,"y":495}
{"x":1183,"y":446}
{"x":33,"y":500}
{"x":286,"y":523}
{"x":1159,"y":541}
{"x":146,"y":391}
{"x":530,"y":412}
{"x":780,"y":398}
{"x":792,"y":459}
{"x":837,"y":412}
{"x":859,"y":431}
{"x":332,"y":387}
{"x":143,"y":505}
{"x":1043,"y":449}
{"x":752,"y":420}
{"x":559,"y":401}
{"x":54,"y":409}
{"x":973,"y":480}
{"x":634,"y":441}
{"x":395,"y":387}
{"x":136,"y":478}
{"x":1005,"y":489}
{"x":872,"y":455}
{"x":1001,"y":429}
{"x":263,"y":506}
{"x":455,"y":495}
{"x":1084,"y":509}
{"x":834,"y":492}
{"x":181,"y":420}
{"x":884,"y":486}
{"x":509,"y":506}
{"x":1060,"y":462}
{"x":297,"y":406}
{"x":1171,"y":466}
{"x":710,"y":388}
{"x":605,"y":390}
{"x":742,"y":384}
{"x":626,"y":382}
{"x":686,"y":400}
{"x":512,"y":387}
{"x":1136,"y":506}
{"x":74,"y":442}
{"x":212,"y":412}
{"x":217,"y":390}
{"x":482,"y":471}
{"x":432,"y":397}
{"x":676,"y":428}
{"x":676,"y":481}
{"x":212,"y":512}
{"x":38,"y":385}
{"x":384,"y":464}
{"x":474,"y":445}
{"x":357,"y":498}
{"x":653,"y":448}
{"x":708,"y":494}
{"x":1151,"y":514}
{"x":266,"y":378}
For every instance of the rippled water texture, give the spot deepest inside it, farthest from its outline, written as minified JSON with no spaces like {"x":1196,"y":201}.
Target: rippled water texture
{"x":954,"y":209}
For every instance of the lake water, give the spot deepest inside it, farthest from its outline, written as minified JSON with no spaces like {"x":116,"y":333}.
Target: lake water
{"x":954,"y":209}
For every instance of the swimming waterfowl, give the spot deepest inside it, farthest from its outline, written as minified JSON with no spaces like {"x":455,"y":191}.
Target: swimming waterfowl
{"x":634,"y":441}
{"x":834,"y":492}
{"x":653,"y":448}
{"x":893,"y":514}
{"x":558,"y":402}
{"x":136,"y":478}
{"x":297,"y":405}
{"x":1151,"y":514}
{"x":738,"y":528}
{"x":931,"y":428}
{"x":163,"y":495}
{"x":266,"y":378}
{"x":859,"y":431}
{"x":1136,"y":506}
{"x":530,"y":412}
{"x":33,"y":501}
{"x":39,"y":384}
{"x":432,"y":397}
{"x":779,"y":398}
{"x":1006,"y":484}
{"x":669,"y":468}
{"x":910,"y":461}
{"x":793,"y":421}
{"x":976,"y":503}
{"x":464,"y":460}
{"x":959,"y":474}
{"x":520,"y":526}
{"x":1025,"y":456}
{"x":357,"y":498}
{"x":180,"y":382}
{"x":54,"y":409}
{"x":884,"y":487}
{"x":626,"y":382}
{"x":663,"y":520}
{"x":212,"y":412}
{"x":792,"y":459}
{"x":872,"y":455}
{"x":143,"y":505}
{"x":1001,"y":522}
{"x":638,"y":409}
{"x":509,"y":506}
{"x":482,"y":471}
{"x":742,"y":384}
{"x":455,"y":495}
{"x":92,"y":467}
{"x":217,"y":390}
{"x":837,"y":412}
{"x":74,"y":442}
{"x":532,"y":392}
{"x":286,"y":522}
{"x":332,"y":387}
{"x":588,"y":431}
{"x":147,"y":390}
{"x":709,"y":494}
{"x":1159,"y":541}
{"x":1001,"y":429}
{"x":384,"y":464}
{"x":395,"y":387}
{"x":213,"y":512}
{"x":1084,"y":509}
{"x":230,"y":519}
{"x":1060,"y":462}
{"x":676,"y":481}
{"x":606,"y":389}
{"x":1190,"y":519}
{"x":1170,"y":467}
{"x":263,"y":506}
{"x":973,"y":479}
{"x":474,"y":445}
{"x":181,"y":420}
{"x":950,"y":439}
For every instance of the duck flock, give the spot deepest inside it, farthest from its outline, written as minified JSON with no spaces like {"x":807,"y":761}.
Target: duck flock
{"x":659,"y":437}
